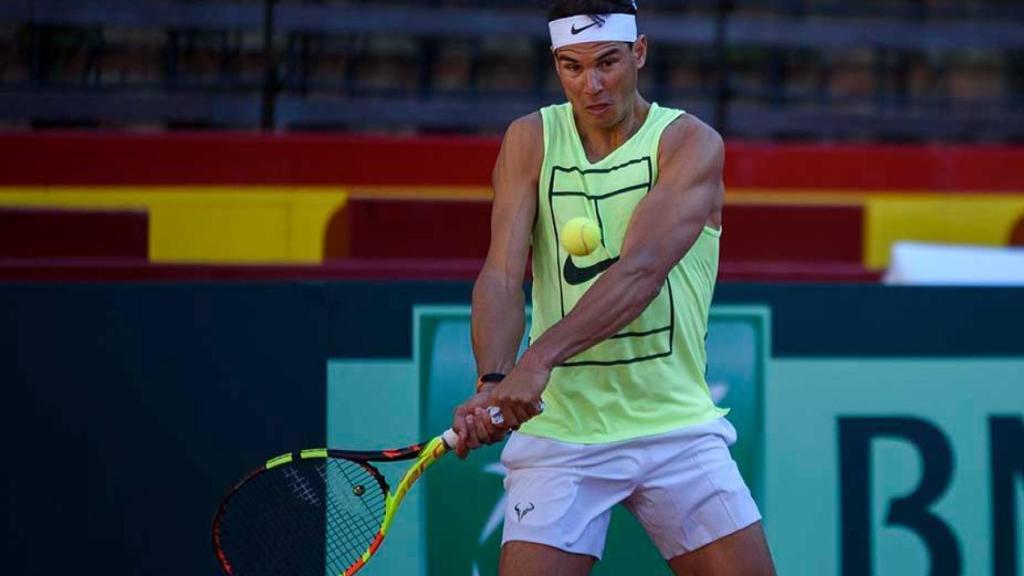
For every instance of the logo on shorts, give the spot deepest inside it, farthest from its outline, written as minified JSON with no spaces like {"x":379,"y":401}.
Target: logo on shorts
{"x":522,"y":512}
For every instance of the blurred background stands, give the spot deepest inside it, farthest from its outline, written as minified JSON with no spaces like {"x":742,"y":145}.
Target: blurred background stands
{"x":901,"y":70}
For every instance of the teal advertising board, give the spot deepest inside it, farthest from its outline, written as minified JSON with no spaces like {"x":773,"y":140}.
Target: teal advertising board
{"x":896,"y":466}
{"x":892,"y":442}
{"x":461,"y":504}
{"x":881,"y":430}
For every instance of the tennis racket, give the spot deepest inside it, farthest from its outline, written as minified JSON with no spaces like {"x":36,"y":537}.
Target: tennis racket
{"x":316,"y":512}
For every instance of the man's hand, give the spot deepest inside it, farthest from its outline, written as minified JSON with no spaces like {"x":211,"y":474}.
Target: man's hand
{"x":473,"y":425}
{"x":518,"y":396}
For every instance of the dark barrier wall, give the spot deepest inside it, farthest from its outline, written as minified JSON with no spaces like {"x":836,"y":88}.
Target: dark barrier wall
{"x":130,"y":408}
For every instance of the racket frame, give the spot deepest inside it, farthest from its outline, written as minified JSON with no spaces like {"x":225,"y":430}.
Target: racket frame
{"x":425,"y":454}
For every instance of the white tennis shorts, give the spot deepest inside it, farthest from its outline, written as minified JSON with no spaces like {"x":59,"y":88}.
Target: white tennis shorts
{"x":683,"y":487}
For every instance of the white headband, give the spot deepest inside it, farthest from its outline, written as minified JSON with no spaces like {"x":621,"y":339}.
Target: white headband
{"x":592,"y":28}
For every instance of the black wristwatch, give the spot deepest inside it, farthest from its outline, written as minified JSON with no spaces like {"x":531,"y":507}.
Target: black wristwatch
{"x":489,"y":378}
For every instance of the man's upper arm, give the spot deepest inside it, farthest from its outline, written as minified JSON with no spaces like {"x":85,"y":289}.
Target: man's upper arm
{"x":668,"y":220}
{"x":515,"y":198}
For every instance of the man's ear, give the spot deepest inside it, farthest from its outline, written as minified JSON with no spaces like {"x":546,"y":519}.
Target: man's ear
{"x":640,"y":51}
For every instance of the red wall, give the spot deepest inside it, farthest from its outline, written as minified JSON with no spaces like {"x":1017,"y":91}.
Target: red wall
{"x":89,"y":234}
{"x":795,"y":241}
{"x":68,"y":158}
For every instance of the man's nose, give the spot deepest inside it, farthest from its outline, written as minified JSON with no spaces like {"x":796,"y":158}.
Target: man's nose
{"x":593,"y":82}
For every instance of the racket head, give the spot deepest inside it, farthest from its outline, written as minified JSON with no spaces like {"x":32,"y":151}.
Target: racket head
{"x":306,"y":513}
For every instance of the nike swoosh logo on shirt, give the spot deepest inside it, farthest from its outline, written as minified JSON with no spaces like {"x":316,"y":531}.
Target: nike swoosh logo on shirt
{"x":575,"y":275}
{"x":576,"y":30}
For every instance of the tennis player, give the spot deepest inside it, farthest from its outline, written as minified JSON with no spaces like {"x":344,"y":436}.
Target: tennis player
{"x":617,"y":340}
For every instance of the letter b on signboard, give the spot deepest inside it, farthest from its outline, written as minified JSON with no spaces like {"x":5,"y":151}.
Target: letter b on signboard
{"x":912,"y":511}
{"x":1006,"y":460}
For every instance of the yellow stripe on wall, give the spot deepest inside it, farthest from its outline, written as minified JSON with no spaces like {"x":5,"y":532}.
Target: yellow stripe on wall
{"x":286,"y":225}
{"x":274,"y":225}
{"x":942,"y":218}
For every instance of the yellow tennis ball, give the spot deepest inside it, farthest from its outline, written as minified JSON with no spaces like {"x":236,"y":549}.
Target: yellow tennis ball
{"x":580,"y":236}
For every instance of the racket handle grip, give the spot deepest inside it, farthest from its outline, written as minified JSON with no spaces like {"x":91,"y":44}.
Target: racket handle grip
{"x":451,"y":438}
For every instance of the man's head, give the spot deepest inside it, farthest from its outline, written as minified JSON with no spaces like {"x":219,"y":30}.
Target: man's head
{"x":559,"y":9}
{"x":597,"y":55}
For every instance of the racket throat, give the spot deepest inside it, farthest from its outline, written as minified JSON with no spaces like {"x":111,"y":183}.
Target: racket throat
{"x":358,"y":565}
{"x":391,"y":504}
{"x":434,"y":450}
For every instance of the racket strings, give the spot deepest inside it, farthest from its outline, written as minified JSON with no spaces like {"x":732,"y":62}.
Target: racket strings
{"x":263,"y":532}
{"x":350,"y":534}
{"x":301,"y":518}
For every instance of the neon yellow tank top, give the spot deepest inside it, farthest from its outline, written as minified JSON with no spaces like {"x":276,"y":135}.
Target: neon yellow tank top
{"x":648,"y":378}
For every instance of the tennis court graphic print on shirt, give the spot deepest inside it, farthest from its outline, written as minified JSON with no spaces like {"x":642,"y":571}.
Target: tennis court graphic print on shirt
{"x":573,"y":192}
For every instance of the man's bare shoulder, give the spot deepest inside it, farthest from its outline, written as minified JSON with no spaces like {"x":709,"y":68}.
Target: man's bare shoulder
{"x":523,"y":146}
{"x":689,"y":139}
{"x":527,"y":129}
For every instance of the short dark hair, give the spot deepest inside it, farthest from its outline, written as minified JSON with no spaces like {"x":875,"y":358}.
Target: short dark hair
{"x":565,"y":8}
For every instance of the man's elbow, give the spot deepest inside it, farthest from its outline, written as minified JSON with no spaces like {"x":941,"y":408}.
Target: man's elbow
{"x":490,"y":281}
{"x":645,"y":279}
{"x":648,"y":287}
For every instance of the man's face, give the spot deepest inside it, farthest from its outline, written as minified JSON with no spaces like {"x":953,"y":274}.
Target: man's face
{"x":600,"y":78}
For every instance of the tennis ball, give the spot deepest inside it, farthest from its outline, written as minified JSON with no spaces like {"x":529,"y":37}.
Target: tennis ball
{"x":580,"y":236}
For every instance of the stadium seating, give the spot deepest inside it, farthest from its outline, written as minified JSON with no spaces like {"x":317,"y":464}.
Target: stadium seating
{"x":904,"y":70}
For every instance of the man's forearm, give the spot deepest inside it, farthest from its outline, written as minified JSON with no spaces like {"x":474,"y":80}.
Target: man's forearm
{"x":616,"y":299}
{"x":499,"y":320}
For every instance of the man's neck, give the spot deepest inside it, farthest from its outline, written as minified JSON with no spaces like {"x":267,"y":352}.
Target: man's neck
{"x":600,"y":142}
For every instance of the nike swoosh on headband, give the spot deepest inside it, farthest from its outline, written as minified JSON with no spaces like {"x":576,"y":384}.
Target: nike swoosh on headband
{"x":576,"y":30}
{"x":592,"y":28}
{"x":575,"y":275}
